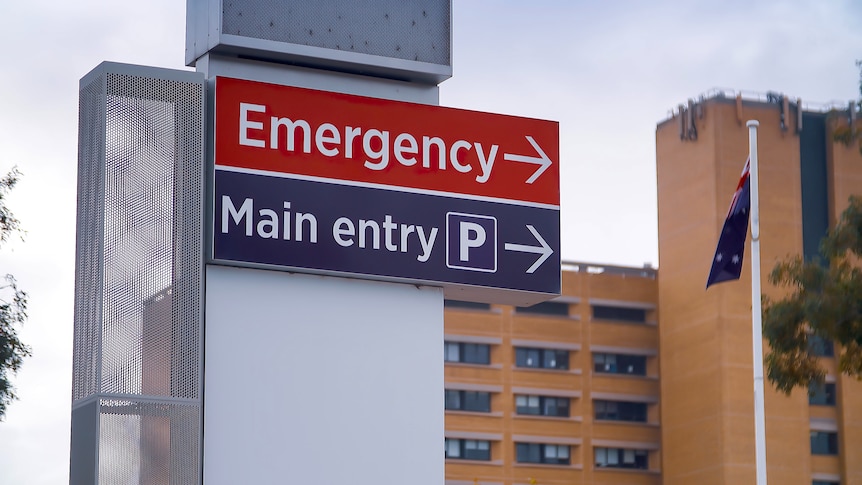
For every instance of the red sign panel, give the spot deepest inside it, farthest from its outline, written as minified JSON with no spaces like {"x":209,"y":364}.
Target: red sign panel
{"x":313,"y":133}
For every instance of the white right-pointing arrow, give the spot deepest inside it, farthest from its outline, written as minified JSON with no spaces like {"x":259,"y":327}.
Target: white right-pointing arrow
{"x":544,"y":250}
{"x":542,"y":160}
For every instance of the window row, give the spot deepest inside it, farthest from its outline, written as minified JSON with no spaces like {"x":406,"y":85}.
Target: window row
{"x":547,"y":454}
{"x":553,"y":308}
{"x":821,"y":347}
{"x":622,"y":314}
{"x":542,"y":405}
{"x":619,"y":364}
{"x":478,"y":401}
{"x":622,"y":458}
{"x":539,"y":358}
{"x":468,"y":449}
{"x":561,"y":309}
{"x":553,"y":406}
{"x":824,"y":443}
{"x":821,"y":394}
{"x":468,"y":401}
{"x":467,"y":353}
{"x":542,"y":453}
{"x":621,"y":411}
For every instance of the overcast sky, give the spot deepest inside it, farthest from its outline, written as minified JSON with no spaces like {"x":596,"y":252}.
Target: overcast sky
{"x":608,"y":71}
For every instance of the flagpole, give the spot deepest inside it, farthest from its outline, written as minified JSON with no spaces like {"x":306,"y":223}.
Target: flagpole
{"x":756,"y":323}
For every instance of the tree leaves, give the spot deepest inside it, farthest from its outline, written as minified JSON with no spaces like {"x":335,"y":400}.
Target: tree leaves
{"x":824,"y":301}
{"x":8,"y":223}
{"x":13,"y":303}
{"x":13,"y":310}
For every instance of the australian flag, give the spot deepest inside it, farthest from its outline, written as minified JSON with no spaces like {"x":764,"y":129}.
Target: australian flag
{"x":727,"y":263}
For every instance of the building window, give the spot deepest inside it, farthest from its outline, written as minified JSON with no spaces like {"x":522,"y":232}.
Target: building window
{"x":542,"y":405}
{"x":542,"y":453}
{"x":553,"y":308}
{"x":824,"y":443}
{"x":621,"y":411}
{"x":623,"y":314}
{"x":821,"y":394}
{"x":820,"y":346}
{"x":468,"y":401}
{"x":466,"y":305}
{"x":622,"y":458}
{"x":620,"y":364}
{"x":468,"y":449}
{"x":467,"y":353}
{"x":541,"y":358}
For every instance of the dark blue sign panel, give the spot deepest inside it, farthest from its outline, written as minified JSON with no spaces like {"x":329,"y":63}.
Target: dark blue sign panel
{"x":467,"y":246}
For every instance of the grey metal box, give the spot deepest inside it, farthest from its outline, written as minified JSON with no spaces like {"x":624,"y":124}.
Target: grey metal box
{"x":138,"y":322}
{"x":397,"y":39}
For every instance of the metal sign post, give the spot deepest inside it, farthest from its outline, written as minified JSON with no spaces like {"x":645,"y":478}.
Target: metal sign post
{"x":264,"y":246}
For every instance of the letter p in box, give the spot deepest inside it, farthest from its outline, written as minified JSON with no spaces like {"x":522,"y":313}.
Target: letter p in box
{"x":330,"y":183}
{"x":471,"y":242}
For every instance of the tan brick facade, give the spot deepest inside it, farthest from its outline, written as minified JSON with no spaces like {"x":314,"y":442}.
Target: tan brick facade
{"x":706,"y":374}
{"x":681,"y":412}
{"x":581,"y":334}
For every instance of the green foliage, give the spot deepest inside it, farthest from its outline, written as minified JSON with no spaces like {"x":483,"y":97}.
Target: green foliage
{"x":846,"y":134}
{"x":825,"y":300}
{"x":13,"y":304}
{"x":13,"y":311}
{"x":8,"y":223}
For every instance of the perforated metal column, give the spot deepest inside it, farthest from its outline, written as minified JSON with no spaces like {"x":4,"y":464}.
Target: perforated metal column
{"x":138,"y":281}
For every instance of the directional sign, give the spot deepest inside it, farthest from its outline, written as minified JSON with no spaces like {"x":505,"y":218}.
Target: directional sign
{"x":306,"y":132}
{"x":335,"y":184}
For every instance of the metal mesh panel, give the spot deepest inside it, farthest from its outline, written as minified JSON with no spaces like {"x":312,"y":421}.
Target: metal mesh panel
{"x":147,"y":443}
{"x":88,"y":264}
{"x":152,"y":241}
{"x":138,"y":246}
{"x":414,"y":31}
{"x":138,"y":316}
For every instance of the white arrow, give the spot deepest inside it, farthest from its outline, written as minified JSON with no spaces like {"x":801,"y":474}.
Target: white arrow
{"x":542,"y":160}
{"x":544,"y":250}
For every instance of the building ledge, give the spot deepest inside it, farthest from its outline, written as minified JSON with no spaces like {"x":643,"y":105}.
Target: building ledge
{"x":627,"y":423}
{"x":460,"y":461}
{"x":574,"y":419}
{"x":495,"y":414}
{"x":613,"y":375}
{"x":625,"y":470}
{"x":575,"y":466}
{"x":548,"y":371}
{"x":473,"y":366}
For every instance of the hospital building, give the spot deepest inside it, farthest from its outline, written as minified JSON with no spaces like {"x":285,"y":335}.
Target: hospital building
{"x":640,"y":376}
